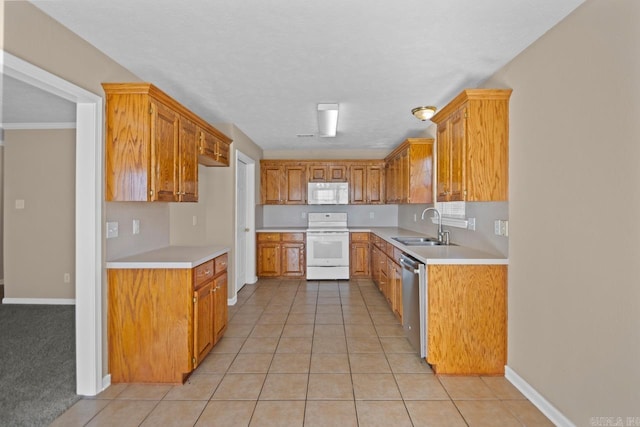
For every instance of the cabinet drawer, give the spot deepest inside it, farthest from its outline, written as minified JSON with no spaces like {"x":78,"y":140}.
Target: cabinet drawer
{"x":359,"y":237}
{"x":220,"y":263}
{"x":202,"y":273}
{"x":268,"y":237}
{"x":293,"y":237}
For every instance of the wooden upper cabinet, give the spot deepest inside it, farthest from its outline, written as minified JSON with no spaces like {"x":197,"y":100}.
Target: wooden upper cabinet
{"x":213,"y":148}
{"x":327,"y":172}
{"x":409,"y":172}
{"x":283,"y":183}
{"x":295,"y":184}
{"x":366,"y":183}
{"x":152,"y":145}
{"x":473,"y":146}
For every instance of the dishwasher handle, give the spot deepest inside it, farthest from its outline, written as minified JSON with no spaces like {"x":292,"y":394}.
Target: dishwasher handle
{"x":410,"y":263}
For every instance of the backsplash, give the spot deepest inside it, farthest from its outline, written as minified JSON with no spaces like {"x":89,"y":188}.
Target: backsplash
{"x":359,"y":215}
{"x":154,"y":227}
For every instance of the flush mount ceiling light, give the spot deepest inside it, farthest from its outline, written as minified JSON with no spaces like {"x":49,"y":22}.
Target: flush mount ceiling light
{"x":327,"y":120}
{"x":424,"y":113}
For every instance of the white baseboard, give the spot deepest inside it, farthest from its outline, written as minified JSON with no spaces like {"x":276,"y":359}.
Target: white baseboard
{"x":106,"y":382}
{"x":232,"y":301}
{"x":41,"y":301}
{"x":551,"y":412}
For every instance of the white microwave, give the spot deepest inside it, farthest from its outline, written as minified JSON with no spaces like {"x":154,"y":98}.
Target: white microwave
{"x":328,"y":193}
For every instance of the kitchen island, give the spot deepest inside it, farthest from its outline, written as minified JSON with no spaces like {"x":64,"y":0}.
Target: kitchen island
{"x":166,"y":309}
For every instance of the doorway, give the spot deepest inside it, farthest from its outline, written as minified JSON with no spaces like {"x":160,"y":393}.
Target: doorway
{"x":245,"y":231}
{"x":88,"y":213}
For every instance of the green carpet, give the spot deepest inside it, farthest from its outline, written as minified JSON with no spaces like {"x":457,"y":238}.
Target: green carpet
{"x":37,"y":363}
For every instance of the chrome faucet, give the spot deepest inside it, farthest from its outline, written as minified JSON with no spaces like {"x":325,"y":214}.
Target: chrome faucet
{"x":443,"y":236}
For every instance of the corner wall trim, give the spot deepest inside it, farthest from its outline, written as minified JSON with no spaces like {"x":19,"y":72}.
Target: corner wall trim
{"x":232,"y":301}
{"x":556,"y":417}
{"x":40,"y":301}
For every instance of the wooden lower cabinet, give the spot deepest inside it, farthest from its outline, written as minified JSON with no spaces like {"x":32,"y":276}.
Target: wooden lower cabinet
{"x":281,"y":255}
{"x":359,"y":263}
{"x":163,"y":322}
{"x":467,"y":319}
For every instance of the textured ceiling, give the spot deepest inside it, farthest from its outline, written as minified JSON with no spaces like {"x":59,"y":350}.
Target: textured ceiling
{"x":264,"y":65}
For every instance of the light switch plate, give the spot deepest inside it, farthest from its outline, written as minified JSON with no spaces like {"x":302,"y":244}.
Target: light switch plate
{"x":112,"y":229}
{"x":136,"y":226}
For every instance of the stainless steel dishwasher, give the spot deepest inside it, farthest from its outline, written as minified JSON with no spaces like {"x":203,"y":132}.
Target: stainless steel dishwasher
{"x":414,"y":303}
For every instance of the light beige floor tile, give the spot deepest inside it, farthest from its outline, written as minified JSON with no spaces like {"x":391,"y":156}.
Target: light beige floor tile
{"x":244,"y":318}
{"x":272,"y":318}
{"x":197,"y":387}
{"x":123,"y":413}
{"x":321,"y":413}
{"x":303,"y":308}
{"x":329,"y":319}
{"x":294,"y":330}
{"x":364,"y":345}
{"x":390,"y":330}
{"x":396,"y":345}
{"x":329,"y":345}
{"x":80,"y":413}
{"x":434,"y":413}
{"x":227,"y":413}
{"x":357,"y":318}
{"x":486,"y":413}
{"x":380,"y":308}
{"x":238,"y":330}
{"x":216,"y":363}
{"x":382,"y":414}
{"x":277,"y":308}
{"x":111,"y":392}
{"x":288,"y":363}
{"x":406,"y":363}
{"x":284,"y":387}
{"x":267,"y":330}
{"x":502,"y":388}
{"x":527,"y":413}
{"x":369,"y":363}
{"x":420,"y":387}
{"x":301,"y":319}
{"x":175,"y":414}
{"x":327,"y":363}
{"x":335,"y":300}
{"x":329,"y":308}
{"x":354,"y":307}
{"x":330,"y":387}
{"x":259,"y":345}
{"x":144,"y":391}
{"x":251,"y":363}
{"x":278,"y":414}
{"x":466,"y":388}
{"x":360,"y":330}
{"x":228,"y":345}
{"x":375,"y":387}
{"x":294,"y":345}
{"x":329,"y":330}
{"x":239,"y":387}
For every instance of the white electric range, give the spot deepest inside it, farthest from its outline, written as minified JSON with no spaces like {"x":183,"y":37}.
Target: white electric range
{"x":327,"y":246}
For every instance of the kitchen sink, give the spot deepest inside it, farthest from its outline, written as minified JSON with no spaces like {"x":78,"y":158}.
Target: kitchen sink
{"x":418,"y":241}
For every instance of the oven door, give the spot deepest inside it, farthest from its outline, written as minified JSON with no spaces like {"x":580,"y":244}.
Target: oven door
{"x":327,"y":249}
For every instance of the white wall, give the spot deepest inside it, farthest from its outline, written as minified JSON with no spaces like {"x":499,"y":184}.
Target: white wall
{"x":574,"y":275}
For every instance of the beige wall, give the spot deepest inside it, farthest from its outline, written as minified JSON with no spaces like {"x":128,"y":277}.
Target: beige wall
{"x":39,"y":239}
{"x":574,"y":289}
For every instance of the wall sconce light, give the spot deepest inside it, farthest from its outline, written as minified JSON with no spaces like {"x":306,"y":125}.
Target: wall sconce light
{"x":424,"y":113}
{"x":327,"y":120}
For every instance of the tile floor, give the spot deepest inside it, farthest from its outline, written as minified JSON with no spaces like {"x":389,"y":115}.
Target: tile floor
{"x":314,"y":354}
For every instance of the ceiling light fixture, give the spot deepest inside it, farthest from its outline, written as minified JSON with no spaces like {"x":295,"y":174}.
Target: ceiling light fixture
{"x":327,"y":120}
{"x":424,"y":113}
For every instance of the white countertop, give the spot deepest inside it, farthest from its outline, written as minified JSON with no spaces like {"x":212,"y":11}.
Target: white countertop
{"x":169,"y":257}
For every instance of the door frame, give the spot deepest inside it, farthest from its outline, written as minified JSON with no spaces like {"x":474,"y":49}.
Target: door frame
{"x":249,"y":263}
{"x":89,"y":258}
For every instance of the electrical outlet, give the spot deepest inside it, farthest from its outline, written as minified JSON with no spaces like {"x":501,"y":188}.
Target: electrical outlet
{"x":501,"y":227}
{"x":415,"y":217}
{"x":20,"y":204}
{"x":136,"y":226}
{"x":194,"y":220}
{"x":303,"y":215}
{"x":112,"y":229}
{"x":471,"y":223}
{"x":67,"y":278}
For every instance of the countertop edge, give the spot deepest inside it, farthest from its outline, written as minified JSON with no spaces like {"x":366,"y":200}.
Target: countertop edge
{"x":169,"y":257}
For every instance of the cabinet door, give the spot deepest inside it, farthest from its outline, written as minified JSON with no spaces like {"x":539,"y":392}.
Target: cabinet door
{"x":375,"y":184}
{"x":293,"y":262}
{"x":458,"y":143}
{"x":318,"y":173}
{"x":203,"y":333}
{"x":164,"y":153}
{"x":212,"y":151}
{"x":220,"y":310}
{"x":296,"y":185}
{"x":188,"y":173}
{"x":337,"y":173}
{"x":444,"y":161}
{"x":358,"y":184}
{"x":271,"y":183}
{"x":269,"y":259}
{"x":359,"y":262}
{"x":404,"y":178}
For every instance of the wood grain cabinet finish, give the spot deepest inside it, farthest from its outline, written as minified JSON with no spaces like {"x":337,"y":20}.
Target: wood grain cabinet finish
{"x":151,"y":146}
{"x":327,"y":171}
{"x":213,"y":148}
{"x":281,"y":255}
{"x":409,"y":172}
{"x":473,"y":146}
{"x":283,"y":183}
{"x":467,"y":319}
{"x":359,"y":262}
{"x":163,"y":322}
{"x":366,"y":183}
